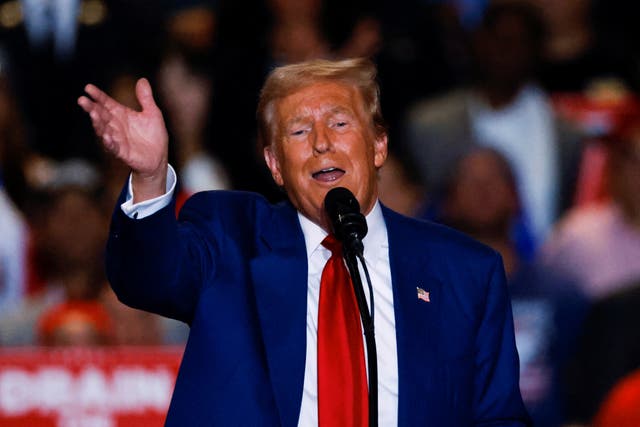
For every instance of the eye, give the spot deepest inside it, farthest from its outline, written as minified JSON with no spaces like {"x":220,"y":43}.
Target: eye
{"x":298,"y":131}
{"x":340,"y":124}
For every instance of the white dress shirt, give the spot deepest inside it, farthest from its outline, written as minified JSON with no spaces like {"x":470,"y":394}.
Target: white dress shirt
{"x":376,"y":254}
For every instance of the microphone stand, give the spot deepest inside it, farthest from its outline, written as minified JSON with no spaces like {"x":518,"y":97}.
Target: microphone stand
{"x":351,"y":255}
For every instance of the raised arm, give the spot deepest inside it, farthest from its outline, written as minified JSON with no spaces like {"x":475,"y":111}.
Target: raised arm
{"x":139,"y":138}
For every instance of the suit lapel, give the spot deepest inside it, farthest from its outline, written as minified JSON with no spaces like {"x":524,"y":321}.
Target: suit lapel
{"x":280,"y":276}
{"x":416,"y":320}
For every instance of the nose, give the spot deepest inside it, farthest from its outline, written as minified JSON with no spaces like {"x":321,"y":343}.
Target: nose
{"x":322,"y":141}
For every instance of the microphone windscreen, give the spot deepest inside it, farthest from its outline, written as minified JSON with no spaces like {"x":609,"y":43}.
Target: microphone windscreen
{"x":343,"y":210}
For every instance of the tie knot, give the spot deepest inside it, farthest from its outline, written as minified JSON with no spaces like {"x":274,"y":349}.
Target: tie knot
{"x":330,"y":242}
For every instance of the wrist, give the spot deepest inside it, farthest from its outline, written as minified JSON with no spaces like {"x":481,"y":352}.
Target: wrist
{"x":148,"y":186}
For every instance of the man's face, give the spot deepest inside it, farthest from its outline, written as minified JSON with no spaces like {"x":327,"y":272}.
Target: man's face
{"x":325,"y":140}
{"x":482,"y":199}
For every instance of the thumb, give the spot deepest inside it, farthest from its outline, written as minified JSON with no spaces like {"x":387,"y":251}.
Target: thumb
{"x":145,"y":95}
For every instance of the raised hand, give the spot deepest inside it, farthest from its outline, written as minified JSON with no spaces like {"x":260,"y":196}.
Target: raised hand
{"x":139,"y":138}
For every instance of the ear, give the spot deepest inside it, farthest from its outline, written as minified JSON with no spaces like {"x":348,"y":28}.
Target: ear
{"x":273,"y":164}
{"x":380,"y":150}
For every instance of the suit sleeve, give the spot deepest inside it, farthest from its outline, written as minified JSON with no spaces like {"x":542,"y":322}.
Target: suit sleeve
{"x":497,"y":400}
{"x":157,"y":264}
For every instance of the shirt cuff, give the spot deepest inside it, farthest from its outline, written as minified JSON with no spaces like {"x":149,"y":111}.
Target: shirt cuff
{"x":149,"y":207}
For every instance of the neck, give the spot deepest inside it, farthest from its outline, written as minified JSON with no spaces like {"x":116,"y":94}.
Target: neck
{"x":499,"y":94}
{"x":505,"y":248}
{"x":78,"y":283}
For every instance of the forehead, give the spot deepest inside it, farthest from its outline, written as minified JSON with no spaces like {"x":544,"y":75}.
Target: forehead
{"x":317,"y":99}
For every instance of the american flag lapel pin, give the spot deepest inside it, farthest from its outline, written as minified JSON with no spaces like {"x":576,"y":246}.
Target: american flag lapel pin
{"x":423,"y":295}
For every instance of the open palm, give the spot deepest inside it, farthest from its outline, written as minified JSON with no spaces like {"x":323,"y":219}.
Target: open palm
{"x":139,"y":138}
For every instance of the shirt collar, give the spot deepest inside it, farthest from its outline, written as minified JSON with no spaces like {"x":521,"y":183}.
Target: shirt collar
{"x":375,"y":239}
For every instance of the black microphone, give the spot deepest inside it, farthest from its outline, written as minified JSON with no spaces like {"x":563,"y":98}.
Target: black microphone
{"x":349,"y":225}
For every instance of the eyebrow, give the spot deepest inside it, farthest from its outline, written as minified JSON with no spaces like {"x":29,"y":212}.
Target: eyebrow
{"x":341,"y":110}
{"x":332,"y":111}
{"x":296,"y":120}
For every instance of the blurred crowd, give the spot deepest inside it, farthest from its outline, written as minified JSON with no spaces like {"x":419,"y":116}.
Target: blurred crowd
{"x":515,"y":121}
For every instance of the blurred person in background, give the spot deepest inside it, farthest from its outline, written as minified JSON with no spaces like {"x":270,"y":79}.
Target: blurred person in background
{"x":586,"y":43}
{"x":296,"y":32}
{"x":308,"y":29}
{"x":424,"y":52}
{"x":136,"y":327}
{"x":400,"y":189}
{"x":13,"y":227}
{"x":14,"y":150}
{"x":56,"y":45}
{"x":185,"y":88}
{"x":221,"y":49}
{"x":13,"y":251}
{"x":76,"y":323}
{"x":505,"y":109}
{"x":185,"y":91}
{"x":240,"y":51}
{"x":481,"y":199}
{"x":69,"y":232}
{"x":598,"y":245}
{"x":608,"y":354}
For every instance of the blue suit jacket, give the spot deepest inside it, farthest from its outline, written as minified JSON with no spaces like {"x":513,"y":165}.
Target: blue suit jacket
{"x":234,"y":268}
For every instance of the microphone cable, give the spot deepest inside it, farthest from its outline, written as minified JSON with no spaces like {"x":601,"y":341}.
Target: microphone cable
{"x":367,"y":316}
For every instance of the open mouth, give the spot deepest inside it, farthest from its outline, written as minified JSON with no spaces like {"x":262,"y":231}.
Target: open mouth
{"x":328,"y":174}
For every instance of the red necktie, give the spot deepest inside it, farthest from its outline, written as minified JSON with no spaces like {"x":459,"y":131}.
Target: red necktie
{"x":342,"y":378}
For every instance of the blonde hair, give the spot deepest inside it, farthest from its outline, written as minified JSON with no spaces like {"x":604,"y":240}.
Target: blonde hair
{"x":359,"y":73}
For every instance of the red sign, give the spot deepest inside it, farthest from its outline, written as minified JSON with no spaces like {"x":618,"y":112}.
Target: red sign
{"x":82,"y":387}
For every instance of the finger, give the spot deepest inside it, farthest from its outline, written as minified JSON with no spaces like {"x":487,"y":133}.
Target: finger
{"x":97,"y":122}
{"x":101,"y":118}
{"x":93,"y":109}
{"x":145,"y":94}
{"x":101,"y":97}
{"x":85,"y":103}
{"x":105,"y":115}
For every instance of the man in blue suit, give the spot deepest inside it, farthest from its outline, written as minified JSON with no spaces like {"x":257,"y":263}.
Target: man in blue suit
{"x":245,"y":275}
